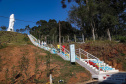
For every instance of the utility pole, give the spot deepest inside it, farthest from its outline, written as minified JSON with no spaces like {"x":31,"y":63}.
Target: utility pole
{"x":59,"y":34}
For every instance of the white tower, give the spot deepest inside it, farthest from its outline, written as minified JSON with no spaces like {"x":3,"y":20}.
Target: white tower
{"x":11,"y":23}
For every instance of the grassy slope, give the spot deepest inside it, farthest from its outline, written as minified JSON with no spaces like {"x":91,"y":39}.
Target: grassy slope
{"x":112,"y":53}
{"x":13,"y":38}
{"x":31,"y":62}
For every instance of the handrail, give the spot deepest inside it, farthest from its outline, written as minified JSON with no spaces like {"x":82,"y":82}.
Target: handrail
{"x":89,"y":55}
{"x":66,"y":53}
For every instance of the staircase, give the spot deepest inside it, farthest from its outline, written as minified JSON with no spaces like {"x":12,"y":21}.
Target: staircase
{"x":99,"y":69}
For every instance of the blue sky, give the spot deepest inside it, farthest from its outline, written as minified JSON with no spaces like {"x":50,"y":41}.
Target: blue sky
{"x":32,"y":10}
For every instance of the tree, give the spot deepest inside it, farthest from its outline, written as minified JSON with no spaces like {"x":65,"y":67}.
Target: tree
{"x":84,"y":15}
{"x":51,"y":29}
{"x":64,"y":5}
{"x":90,"y":16}
{"x":17,"y":30}
{"x":22,"y":30}
{"x":3,"y":28}
{"x":27,"y":28}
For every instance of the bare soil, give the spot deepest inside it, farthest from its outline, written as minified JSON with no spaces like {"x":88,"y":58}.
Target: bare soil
{"x":112,"y":53}
{"x":27,"y":64}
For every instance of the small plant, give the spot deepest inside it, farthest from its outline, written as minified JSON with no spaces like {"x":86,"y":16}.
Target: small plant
{"x":122,"y":39}
{"x":122,"y":54}
{"x":124,"y":66}
{"x":118,"y":60}
{"x":36,"y":66}
{"x":3,"y":45}
{"x":25,"y":39}
{"x":23,"y":65}
{"x":6,"y":75}
{"x":14,"y":73}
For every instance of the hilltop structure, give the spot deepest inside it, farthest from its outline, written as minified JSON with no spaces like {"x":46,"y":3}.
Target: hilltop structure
{"x":11,"y":23}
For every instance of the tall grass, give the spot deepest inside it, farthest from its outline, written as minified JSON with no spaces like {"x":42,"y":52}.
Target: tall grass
{"x":13,"y":38}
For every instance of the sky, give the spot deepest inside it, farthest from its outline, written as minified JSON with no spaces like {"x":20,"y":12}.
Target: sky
{"x":32,"y":10}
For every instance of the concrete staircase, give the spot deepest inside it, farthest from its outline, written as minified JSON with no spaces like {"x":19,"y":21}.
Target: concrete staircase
{"x":99,"y":69}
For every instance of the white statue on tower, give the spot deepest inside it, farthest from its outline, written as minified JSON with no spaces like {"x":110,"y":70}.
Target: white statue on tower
{"x":11,"y":23}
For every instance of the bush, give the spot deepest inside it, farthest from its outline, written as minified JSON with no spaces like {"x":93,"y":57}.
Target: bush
{"x":122,"y":39}
{"x":25,"y":39}
{"x":124,"y":66}
{"x":3,"y":45}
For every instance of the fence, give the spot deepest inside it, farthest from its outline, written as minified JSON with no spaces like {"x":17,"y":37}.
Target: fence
{"x":93,"y":63}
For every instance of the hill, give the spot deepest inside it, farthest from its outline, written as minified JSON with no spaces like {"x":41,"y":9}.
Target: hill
{"x":113,"y":53}
{"x":28,"y":64}
{"x":13,"y":38}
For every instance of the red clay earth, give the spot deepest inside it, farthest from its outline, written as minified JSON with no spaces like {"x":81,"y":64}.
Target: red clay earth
{"x":112,"y":53}
{"x":12,"y":56}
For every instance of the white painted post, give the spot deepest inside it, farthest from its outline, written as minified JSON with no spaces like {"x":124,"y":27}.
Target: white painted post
{"x":64,"y":51}
{"x":50,"y":78}
{"x":87,"y":55}
{"x":87,"y":58}
{"x":104,"y":66}
{"x":79,"y":54}
{"x":99,"y":66}
{"x":72,"y":53}
{"x":60,"y":49}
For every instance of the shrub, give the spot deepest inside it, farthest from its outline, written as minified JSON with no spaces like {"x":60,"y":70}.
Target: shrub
{"x":25,"y":39}
{"x":124,"y":66}
{"x":122,"y":39}
{"x":3,"y":45}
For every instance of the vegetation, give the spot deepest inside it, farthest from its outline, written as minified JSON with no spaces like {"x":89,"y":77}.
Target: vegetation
{"x":37,"y":67}
{"x":98,"y":18}
{"x":89,"y":18}
{"x":29,"y":64}
{"x":113,"y":53}
{"x":3,"y":28}
{"x":13,"y":38}
{"x":50,"y":30}
{"x":3,"y":45}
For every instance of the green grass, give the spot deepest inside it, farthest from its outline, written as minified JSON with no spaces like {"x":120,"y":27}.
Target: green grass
{"x":3,"y":45}
{"x":14,"y":38}
{"x":67,"y":69}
